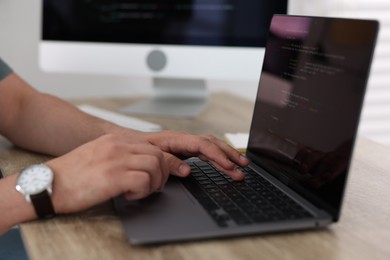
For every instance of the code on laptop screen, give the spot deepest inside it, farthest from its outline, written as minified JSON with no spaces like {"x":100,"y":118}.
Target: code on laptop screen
{"x":309,"y":100}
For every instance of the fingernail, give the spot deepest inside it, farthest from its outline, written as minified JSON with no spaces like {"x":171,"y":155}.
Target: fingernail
{"x":183,"y":170}
{"x":239,"y":170}
{"x":243,"y":158}
{"x":240,"y":174}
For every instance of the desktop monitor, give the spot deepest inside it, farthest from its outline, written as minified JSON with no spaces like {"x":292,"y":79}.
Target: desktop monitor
{"x":180,"y":44}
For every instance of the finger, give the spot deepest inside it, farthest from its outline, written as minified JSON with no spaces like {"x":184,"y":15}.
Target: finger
{"x":135,"y":185}
{"x":180,"y":168}
{"x":144,"y":157}
{"x":207,"y":147}
{"x":151,"y":165}
{"x":226,"y":157}
{"x":230,"y":152}
{"x":191,"y":145}
{"x":176,"y":166}
{"x":236,"y":174}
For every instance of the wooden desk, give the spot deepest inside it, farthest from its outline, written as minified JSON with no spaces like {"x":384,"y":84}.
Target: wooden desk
{"x":362,"y":233}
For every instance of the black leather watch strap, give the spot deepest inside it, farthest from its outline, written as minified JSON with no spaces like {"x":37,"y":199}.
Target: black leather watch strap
{"x":43,"y":205}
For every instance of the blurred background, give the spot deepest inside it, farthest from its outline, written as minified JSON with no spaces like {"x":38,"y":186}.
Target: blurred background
{"x":20,"y":32}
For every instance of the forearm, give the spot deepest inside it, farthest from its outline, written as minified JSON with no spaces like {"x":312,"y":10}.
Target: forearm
{"x":44,"y":123}
{"x":49,"y":125}
{"x":13,"y":206}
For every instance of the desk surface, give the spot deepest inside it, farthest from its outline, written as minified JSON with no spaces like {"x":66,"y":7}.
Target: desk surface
{"x":361,"y":233}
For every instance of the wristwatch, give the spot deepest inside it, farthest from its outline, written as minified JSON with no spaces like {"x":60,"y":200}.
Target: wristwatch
{"x":35,"y":183}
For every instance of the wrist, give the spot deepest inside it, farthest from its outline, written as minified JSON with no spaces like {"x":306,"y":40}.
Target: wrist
{"x":13,"y":206}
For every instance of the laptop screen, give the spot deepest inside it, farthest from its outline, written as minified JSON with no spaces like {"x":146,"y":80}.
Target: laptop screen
{"x":308,"y":104}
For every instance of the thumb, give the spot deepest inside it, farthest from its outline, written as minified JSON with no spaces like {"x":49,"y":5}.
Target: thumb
{"x":176,"y":166}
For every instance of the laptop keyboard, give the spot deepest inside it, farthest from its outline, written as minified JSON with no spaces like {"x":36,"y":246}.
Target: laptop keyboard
{"x":253,"y":200}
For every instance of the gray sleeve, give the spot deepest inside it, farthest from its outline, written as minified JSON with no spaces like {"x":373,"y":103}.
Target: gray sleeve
{"x":5,"y":70}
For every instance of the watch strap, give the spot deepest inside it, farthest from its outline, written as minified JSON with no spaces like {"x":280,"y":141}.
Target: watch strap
{"x":42,"y":204}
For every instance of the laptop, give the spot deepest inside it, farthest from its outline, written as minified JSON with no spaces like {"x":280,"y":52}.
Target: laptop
{"x":301,"y":140}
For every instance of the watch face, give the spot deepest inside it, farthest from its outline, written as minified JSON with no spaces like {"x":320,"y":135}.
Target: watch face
{"x":34,"y":179}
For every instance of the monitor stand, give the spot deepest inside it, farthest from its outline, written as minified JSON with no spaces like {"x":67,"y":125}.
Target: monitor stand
{"x":179,"y":98}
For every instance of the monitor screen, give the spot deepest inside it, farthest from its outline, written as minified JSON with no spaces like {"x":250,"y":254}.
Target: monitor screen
{"x":185,"y":22}
{"x":179,"y":44}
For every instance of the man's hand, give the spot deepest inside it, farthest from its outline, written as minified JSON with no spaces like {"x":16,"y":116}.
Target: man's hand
{"x":179,"y":145}
{"x":104,"y":168}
